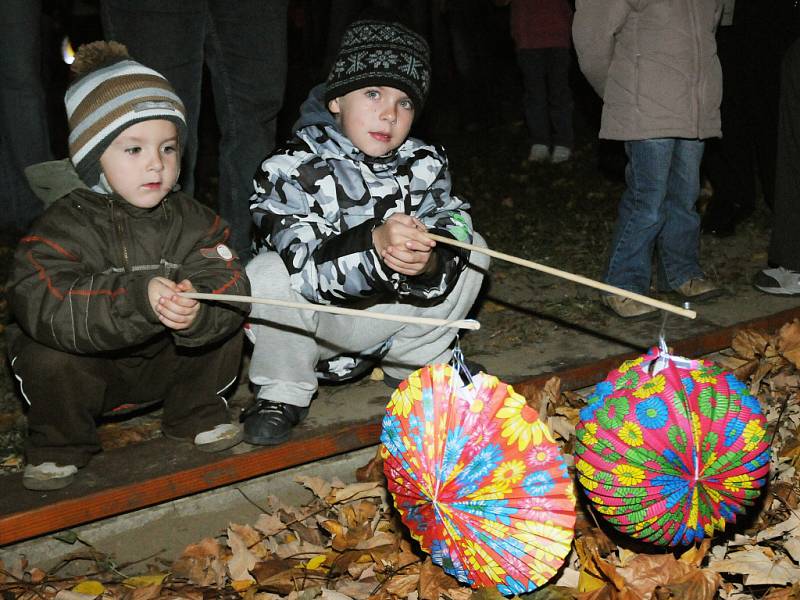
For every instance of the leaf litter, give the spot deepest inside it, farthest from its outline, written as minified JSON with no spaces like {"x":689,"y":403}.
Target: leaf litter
{"x":348,"y":542}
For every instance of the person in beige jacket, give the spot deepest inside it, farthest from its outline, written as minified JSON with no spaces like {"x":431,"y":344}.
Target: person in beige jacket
{"x":654,"y":64}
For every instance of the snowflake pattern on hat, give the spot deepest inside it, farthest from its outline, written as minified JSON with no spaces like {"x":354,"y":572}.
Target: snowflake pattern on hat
{"x":380,"y":53}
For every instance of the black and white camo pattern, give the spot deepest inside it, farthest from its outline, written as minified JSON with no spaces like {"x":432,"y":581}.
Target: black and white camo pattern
{"x":318,"y":199}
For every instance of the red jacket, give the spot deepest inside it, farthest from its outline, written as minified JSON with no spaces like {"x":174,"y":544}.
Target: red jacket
{"x":541,"y":24}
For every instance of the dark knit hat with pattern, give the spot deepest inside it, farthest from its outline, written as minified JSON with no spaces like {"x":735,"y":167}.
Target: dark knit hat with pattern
{"x":381,"y":53}
{"x":111,"y":93}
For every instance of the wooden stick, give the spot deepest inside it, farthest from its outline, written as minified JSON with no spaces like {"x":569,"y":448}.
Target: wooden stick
{"x":336,"y":310}
{"x":684,"y":312}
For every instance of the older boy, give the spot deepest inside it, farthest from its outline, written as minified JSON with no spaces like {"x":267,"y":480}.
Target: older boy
{"x":343,"y":210}
{"x":95,"y":283}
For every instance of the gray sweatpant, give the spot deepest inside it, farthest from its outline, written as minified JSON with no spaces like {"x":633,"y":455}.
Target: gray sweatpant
{"x":290,"y":342}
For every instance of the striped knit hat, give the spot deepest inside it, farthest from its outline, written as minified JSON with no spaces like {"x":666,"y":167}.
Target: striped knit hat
{"x":111,"y":93}
{"x":381,"y":53}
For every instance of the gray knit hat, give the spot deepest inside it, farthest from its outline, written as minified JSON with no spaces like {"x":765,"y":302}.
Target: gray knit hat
{"x":111,"y":93}
{"x":381,"y":53}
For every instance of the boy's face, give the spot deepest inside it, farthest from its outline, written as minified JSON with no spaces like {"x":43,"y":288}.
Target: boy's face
{"x":142,"y":163}
{"x":376,"y":119}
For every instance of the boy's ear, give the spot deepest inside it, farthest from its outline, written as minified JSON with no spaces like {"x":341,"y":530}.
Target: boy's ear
{"x":333,"y":106}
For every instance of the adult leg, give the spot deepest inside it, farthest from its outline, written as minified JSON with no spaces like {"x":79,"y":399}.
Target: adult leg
{"x":784,"y":251}
{"x":678,"y":241}
{"x":641,"y":214}
{"x":246,"y":54}
{"x":532,"y":65}
{"x":729,"y":161}
{"x":559,"y":96}
{"x":168,"y":37}
{"x":24,"y":134}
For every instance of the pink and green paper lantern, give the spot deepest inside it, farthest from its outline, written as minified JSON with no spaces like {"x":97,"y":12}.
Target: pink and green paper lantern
{"x":669,"y":450}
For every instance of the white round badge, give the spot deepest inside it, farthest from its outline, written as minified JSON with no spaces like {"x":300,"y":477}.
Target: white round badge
{"x":224,"y":251}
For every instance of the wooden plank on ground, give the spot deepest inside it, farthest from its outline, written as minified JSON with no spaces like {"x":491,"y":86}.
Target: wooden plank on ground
{"x":166,"y":470}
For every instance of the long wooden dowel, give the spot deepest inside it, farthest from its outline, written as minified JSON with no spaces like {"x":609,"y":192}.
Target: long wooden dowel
{"x":684,"y":312}
{"x":337,"y":310}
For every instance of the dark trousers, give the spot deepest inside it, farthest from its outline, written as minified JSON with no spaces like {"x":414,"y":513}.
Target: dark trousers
{"x":784,"y":249}
{"x":68,"y":392}
{"x":730,"y":161}
{"x":547,"y":95}
{"x":24,"y":134}
{"x":243,"y":43}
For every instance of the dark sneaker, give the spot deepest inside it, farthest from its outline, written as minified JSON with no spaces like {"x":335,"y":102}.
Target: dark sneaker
{"x":474,"y":369}
{"x":628,"y":308}
{"x":698,"y":288}
{"x":48,"y":476}
{"x":267,"y":423}
{"x":780,"y":281}
{"x":221,"y":437}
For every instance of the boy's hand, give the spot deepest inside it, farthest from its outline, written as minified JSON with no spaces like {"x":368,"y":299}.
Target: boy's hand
{"x":403,"y":245}
{"x":174,"y":311}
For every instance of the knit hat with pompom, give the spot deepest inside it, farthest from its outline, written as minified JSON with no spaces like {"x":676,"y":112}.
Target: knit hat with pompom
{"x":110,"y":93}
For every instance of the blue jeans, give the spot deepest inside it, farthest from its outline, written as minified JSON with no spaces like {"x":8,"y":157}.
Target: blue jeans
{"x":243,"y":43}
{"x":24,"y":134}
{"x":657,"y":213}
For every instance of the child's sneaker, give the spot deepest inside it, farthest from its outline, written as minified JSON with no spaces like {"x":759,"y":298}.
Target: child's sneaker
{"x":561,"y":154}
{"x":539,"y":153}
{"x":48,"y":476}
{"x":267,"y":423}
{"x":221,"y":437}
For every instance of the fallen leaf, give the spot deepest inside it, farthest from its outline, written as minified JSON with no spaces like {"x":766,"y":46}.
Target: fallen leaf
{"x":318,"y":486}
{"x":372,"y":471}
{"x":201,"y":564}
{"x":89,"y":587}
{"x":269,"y":524}
{"x":147,"y":592}
{"x":70,"y":595}
{"x":758,"y":568}
{"x":402,"y":585}
{"x":242,"y":560}
{"x":433,"y":581}
{"x":143,"y":580}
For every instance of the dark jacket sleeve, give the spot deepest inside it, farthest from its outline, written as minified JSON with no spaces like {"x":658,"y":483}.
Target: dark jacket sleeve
{"x":212,"y":268}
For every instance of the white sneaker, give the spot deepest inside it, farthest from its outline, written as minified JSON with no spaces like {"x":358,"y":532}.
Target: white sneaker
{"x":48,"y":476}
{"x":221,"y":437}
{"x":780,"y":281}
{"x":561,"y":154}
{"x":539,"y":153}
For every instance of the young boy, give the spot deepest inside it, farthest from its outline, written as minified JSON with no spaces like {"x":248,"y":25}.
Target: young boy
{"x":343,"y":211}
{"x":95,"y":283}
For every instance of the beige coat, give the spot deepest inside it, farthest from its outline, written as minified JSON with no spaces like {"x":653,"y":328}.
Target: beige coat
{"x":654,"y":64}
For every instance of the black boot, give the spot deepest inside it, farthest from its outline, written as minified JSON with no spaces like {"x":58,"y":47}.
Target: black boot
{"x":267,"y":423}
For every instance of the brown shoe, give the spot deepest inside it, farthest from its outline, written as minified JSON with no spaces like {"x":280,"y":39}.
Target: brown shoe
{"x":628,"y":308}
{"x":698,"y":288}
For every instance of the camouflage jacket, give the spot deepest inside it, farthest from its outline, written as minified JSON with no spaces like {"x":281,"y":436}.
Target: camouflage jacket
{"x":318,"y":198}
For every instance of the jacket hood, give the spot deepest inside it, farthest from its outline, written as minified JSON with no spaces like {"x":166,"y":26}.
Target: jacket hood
{"x":314,"y":110}
{"x":53,"y":180}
